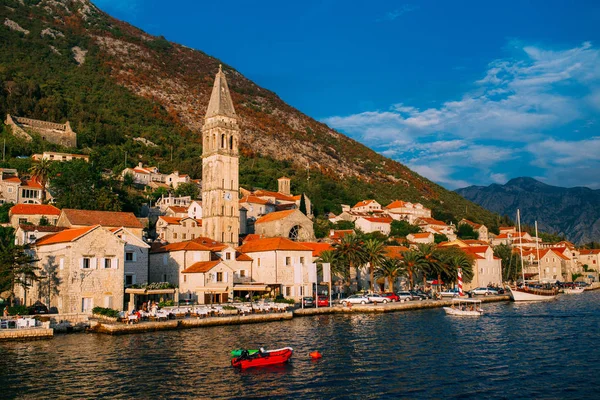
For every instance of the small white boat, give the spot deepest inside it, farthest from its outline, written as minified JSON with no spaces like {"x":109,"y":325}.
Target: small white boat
{"x":465,"y":308}
{"x":573,"y":290}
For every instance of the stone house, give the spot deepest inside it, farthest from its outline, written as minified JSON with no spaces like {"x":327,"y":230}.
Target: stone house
{"x":512,"y":238}
{"x":54,"y":156}
{"x":487,"y":268}
{"x":9,"y":186}
{"x":406,"y":211}
{"x":367,"y":206}
{"x":552,"y":265}
{"x":481,"y":229}
{"x":71,"y":218}
{"x":33,"y":214}
{"x":194,"y":210}
{"x":178,"y":229}
{"x":590,"y":257}
{"x":175,"y":179}
{"x":136,"y":258}
{"x":88,"y":263}
{"x":28,"y":234}
{"x":176,"y":211}
{"x":436,"y":227}
{"x":144,"y":175}
{"x":273,"y":264}
{"x":291,"y":224}
{"x":164,"y":202}
{"x":374,"y":224}
{"x":421,"y":237}
{"x":204,"y":270}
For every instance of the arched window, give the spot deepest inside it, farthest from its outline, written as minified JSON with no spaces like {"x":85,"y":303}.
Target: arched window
{"x":231,"y":142}
{"x":223,"y":141}
{"x":295,"y":233}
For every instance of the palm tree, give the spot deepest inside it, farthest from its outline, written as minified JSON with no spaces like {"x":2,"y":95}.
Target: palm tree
{"x":390,"y":269}
{"x":431,"y":260}
{"x":454,"y":258}
{"x":374,"y":254}
{"x":350,"y":251}
{"x":41,"y":172}
{"x":413,"y":261}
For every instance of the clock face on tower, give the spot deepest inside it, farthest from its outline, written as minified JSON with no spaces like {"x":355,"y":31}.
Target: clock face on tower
{"x":227,"y":196}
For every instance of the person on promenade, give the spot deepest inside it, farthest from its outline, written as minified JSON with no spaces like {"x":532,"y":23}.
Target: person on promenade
{"x":5,"y":311}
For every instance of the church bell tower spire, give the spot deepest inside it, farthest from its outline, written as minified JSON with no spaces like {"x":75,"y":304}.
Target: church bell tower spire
{"x":220,"y":166}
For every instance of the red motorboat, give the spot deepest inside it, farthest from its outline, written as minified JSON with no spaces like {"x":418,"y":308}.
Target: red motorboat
{"x":263,"y":358}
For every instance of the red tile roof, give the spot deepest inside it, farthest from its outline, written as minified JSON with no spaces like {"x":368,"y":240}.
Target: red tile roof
{"x":473,"y":224}
{"x":251,"y":236}
{"x":270,"y":244}
{"x":242,"y":257}
{"x":178,"y":209}
{"x":431,"y":221}
{"x":34,"y":209}
{"x":49,"y":228}
{"x":32,"y":183}
{"x":278,"y":196}
{"x":67,"y":235}
{"x":396,"y":204}
{"x":589,"y":251}
{"x":363,"y":203}
{"x":274,"y":216}
{"x":340,"y":233}
{"x":211,"y":244}
{"x":253,"y":199}
{"x":188,"y":245}
{"x":12,"y":179}
{"x":380,"y":220}
{"x":104,"y":218}
{"x":317,"y":247}
{"x":201,"y":267}
{"x":422,"y":235}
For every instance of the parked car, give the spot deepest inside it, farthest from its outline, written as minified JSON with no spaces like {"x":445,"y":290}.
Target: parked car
{"x":323,"y":301}
{"x":484,"y":291}
{"x":498,"y":289}
{"x":377,"y":298}
{"x":308,"y":301}
{"x":404,"y":296}
{"x":37,"y":308}
{"x":356,"y":299}
{"x":418,"y":296}
{"x":425,"y":295}
{"x":393,"y":297}
{"x":450,"y":293}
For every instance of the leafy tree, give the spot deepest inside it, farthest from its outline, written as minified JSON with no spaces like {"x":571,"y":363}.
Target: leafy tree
{"x":430,"y":259}
{"x":466,"y":231}
{"x":44,"y":221}
{"x":158,"y":193}
{"x":4,"y":209}
{"x":374,"y":251}
{"x":439,"y":238}
{"x":49,"y":281}
{"x":74,"y":185}
{"x":511,"y":262}
{"x":390,"y":269}
{"x":453,"y":258}
{"x":16,"y":266}
{"x":128,"y":180}
{"x":41,"y":172}
{"x":187,"y":189}
{"x":336,"y":264}
{"x":343,"y":225}
{"x":403,"y":228}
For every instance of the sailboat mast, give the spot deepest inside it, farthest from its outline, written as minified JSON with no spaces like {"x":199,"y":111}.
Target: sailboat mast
{"x":537,"y":249}
{"x":521,"y":244}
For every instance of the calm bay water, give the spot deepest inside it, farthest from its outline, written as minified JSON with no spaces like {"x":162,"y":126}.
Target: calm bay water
{"x":537,"y":350}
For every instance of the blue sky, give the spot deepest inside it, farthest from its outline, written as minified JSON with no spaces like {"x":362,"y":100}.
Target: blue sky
{"x":463,"y":92}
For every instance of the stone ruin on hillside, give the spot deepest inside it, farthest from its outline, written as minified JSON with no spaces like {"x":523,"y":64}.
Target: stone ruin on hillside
{"x":61,"y":134}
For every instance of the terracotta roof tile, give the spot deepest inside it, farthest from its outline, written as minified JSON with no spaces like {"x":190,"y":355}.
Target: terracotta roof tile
{"x":431,"y":221}
{"x":422,"y":235}
{"x":34,"y":209}
{"x":243,"y":257}
{"x":180,"y":246}
{"x":12,"y":179}
{"x":317,"y":247}
{"x":67,"y":235}
{"x":274,"y":216}
{"x":253,"y":199}
{"x":211,"y":244}
{"x":201,"y":267}
{"x":395,"y":251}
{"x":104,"y":218}
{"x":251,"y":236}
{"x":380,"y":220}
{"x":396,"y":204}
{"x":278,"y":196}
{"x":363,"y":203}
{"x":32,"y":183}
{"x":178,"y":209}
{"x":270,"y":244}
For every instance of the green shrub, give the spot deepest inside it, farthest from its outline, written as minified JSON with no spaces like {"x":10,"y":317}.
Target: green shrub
{"x":21,"y":310}
{"x":168,"y":303}
{"x":229,"y":308}
{"x":107,"y":312}
{"x":284,"y":300}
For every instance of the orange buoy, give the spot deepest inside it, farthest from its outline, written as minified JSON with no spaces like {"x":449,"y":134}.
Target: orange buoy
{"x":315,"y":355}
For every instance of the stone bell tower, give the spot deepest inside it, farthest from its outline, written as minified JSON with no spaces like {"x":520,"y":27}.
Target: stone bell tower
{"x":220,"y":166}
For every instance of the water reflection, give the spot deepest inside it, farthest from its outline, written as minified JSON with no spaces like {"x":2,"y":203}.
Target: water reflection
{"x":514,"y":350}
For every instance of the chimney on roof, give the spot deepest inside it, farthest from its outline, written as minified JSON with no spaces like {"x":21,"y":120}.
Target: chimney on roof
{"x":140,"y":165}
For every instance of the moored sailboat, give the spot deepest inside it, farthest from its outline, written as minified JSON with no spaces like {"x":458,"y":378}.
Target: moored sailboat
{"x":530,"y":292}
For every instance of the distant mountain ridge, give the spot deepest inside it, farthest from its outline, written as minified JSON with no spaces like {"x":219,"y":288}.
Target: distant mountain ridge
{"x":573,"y":212}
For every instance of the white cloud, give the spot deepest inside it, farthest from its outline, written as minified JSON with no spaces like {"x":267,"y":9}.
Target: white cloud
{"x":523,"y":101}
{"x":393,"y":15}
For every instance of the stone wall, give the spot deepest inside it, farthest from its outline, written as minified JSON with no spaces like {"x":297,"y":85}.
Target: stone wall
{"x":50,"y":131}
